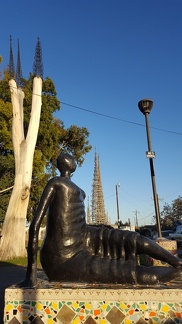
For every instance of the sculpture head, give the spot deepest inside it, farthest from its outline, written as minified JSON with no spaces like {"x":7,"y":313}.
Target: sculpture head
{"x":66,"y":164}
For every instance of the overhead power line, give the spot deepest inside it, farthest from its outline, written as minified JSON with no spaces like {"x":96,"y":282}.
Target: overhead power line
{"x":100,"y":114}
{"x":118,"y":119}
{"x":112,"y":117}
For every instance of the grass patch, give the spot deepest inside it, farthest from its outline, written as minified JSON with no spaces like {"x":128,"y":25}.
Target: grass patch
{"x":14,"y":262}
{"x":21,"y":261}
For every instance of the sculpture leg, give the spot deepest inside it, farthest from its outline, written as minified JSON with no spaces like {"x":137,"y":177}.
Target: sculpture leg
{"x":151,"y":248}
{"x":100,"y":270}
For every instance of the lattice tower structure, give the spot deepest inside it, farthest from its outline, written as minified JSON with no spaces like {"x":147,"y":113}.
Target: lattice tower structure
{"x":38,"y":68}
{"x":37,"y":65}
{"x":11,"y":66}
{"x":98,"y":208}
{"x":19,"y":76}
{"x":88,"y":212}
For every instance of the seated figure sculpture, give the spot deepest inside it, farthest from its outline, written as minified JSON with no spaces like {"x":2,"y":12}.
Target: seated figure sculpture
{"x":73,"y":251}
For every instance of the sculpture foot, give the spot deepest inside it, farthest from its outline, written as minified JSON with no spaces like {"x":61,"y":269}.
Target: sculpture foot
{"x":156,"y":275}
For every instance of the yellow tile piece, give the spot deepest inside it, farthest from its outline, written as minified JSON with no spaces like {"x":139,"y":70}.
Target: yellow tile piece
{"x":123,"y":306}
{"x":76,"y":321}
{"x":38,"y":306}
{"x":49,"y":321}
{"x":55,"y":305}
{"x":75,"y":305}
{"x":104,"y":306}
{"x":8,"y":307}
{"x":143,"y":307}
{"x":88,"y":306}
{"x":127,"y":321}
{"x":102,"y":321}
{"x":165,"y":308}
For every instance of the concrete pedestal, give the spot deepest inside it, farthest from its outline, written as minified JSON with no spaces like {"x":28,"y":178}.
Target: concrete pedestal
{"x":73,"y":304}
{"x":168,"y":245}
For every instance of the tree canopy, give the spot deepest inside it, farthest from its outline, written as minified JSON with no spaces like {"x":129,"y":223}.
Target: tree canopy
{"x":171,"y":213}
{"x":53,"y":137}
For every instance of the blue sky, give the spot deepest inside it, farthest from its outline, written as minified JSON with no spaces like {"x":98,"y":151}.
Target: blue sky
{"x":104,"y":56}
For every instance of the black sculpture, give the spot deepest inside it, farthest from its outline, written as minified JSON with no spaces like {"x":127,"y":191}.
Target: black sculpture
{"x":74,"y":251}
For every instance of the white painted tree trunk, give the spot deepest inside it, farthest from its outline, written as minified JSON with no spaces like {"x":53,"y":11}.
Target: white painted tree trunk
{"x":12,"y":242}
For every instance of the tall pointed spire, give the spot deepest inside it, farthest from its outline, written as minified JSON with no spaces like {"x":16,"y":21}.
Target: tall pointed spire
{"x":88,"y":211}
{"x":94,"y":191}
{"x":38,"y":64}
{"x":19,"y":76}
{"x":98,"y":209}
{"x":11,"y":61}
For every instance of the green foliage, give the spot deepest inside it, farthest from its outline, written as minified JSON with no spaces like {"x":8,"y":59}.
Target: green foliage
{"x":171,"y":213}
{"x":5,"y":94}
{"x":74,"y":141}
{"x":52,"y":139}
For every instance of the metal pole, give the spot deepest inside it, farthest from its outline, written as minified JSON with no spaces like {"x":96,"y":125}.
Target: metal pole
{"x":156,"y":201}
{"x":117,"y":203}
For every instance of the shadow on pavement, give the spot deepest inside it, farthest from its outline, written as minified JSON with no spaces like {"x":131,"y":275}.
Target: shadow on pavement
{"x":9,"y":275}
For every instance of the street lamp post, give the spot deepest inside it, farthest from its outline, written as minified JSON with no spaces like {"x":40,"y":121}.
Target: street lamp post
{"x":117,"y":204}
{"x":145,"y":106}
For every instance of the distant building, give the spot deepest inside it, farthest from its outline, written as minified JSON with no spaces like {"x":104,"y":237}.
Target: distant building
{"x":148,"y":230}
{"x":123,"y":227}
{"x":178,"y":222}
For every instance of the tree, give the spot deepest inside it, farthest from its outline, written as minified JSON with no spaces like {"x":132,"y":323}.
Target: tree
{"x":52,"y":138}
{"x":171,"y":213}
{"x":24,"y":147}
{"x":7,"y":158}
{"x":177,"y":208}
{"x":1,"y":59}
{"x":166,"y":217}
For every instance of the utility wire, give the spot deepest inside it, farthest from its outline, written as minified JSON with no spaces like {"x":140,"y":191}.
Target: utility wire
{"x":111,"y":117}
{"x":100,"y":114}
{"x":119,"y":119}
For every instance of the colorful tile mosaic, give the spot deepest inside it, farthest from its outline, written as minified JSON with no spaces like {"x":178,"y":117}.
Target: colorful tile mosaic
{"x":93,"y":306}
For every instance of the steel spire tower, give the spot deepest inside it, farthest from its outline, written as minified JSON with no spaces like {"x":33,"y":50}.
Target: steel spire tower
{"x":19,"y":76}
{"x":88,"y":212}
{"x":38,"y":64}
{"x":11,"y":61}
{"x":98,"y":209}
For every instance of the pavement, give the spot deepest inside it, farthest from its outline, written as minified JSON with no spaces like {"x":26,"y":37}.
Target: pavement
{"x":9,"y":275}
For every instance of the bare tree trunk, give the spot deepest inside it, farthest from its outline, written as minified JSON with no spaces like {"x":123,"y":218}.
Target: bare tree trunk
{"x":12,"y":243}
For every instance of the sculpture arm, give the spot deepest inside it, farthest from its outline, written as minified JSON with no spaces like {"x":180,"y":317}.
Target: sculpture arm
{"x":46,"y":198}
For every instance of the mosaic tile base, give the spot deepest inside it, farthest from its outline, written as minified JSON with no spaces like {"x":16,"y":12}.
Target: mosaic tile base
{"x":64,"y":303}
{"x":93,"y":306}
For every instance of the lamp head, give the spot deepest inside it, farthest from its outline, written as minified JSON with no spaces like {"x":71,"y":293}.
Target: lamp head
{"x":145,"y":106}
